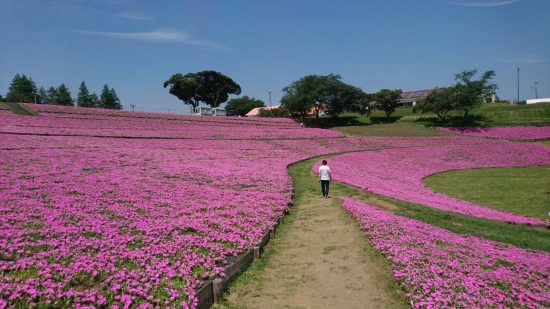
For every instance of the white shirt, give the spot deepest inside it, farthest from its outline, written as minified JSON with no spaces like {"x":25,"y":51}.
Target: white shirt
{"x":324,"y":172}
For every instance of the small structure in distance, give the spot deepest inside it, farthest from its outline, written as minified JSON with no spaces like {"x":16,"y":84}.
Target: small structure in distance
{"x":256,"y":111}
{"x":208,"y":111}
{"x":535,"y":101}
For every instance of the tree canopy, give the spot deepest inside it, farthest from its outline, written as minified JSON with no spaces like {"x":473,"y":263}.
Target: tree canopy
{"x":84,"y":97}
{"x":343,"y":97}
{"x":22,"y":89}
{"x":388,"y":100}
{"x":211,"y":87}
{"x":464,"y":95}
{"x":472,"y":93}
{"x":62,"y":96}
{"x":363,"y":104}
{"x":440,"y":101}
{"x":241,"y":106}
{"x":109,"y":99}
{"x":315,"y":92}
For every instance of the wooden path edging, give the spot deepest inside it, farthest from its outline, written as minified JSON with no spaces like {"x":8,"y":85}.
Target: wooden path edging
{"x":212,"y":291}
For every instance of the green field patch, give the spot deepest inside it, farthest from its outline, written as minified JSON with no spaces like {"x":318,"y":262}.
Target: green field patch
{"x":520,"y":190}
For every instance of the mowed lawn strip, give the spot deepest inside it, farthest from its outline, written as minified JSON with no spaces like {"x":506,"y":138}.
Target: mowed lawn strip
{"x":521,"y":190}
{"x":524,"y":236}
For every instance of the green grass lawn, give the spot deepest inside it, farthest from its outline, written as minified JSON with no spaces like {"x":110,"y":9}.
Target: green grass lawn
{"x":392,"y":129}
{"x":505,"y":114}
{"x":521,"y":190}
{"x":533,"y":237}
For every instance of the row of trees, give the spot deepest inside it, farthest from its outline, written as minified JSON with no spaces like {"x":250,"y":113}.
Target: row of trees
{"x":328,"y":93}
{"x":466,"y":94}
{"x":314,"y":93}
{"x":23,"y":89}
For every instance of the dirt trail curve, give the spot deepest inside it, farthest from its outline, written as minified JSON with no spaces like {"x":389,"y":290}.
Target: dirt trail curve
{"x":320,"y":260}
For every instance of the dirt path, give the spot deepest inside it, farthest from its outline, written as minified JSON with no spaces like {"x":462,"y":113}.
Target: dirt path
{"x":320,"y":260}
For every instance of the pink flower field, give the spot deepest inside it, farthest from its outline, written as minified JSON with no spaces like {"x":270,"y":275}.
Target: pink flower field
{"x":119,"y":209}
{"x":440,"y":269}
{"x":399,"y":172}
{"x":517,"y":133}
{"x":106,"y":123}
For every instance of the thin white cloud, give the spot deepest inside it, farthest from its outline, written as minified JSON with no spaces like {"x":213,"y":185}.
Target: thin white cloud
{"x":132,"y":15}
{"x":527,"y":59}
{"x":159,"y":36}
{"x":482,"y":3}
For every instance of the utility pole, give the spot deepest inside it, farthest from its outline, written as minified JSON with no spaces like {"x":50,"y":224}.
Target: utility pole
{"x":269,"y":93}
{"x":518,"y":82}
{"x":536,"y":85}
{"x":132,"y":106}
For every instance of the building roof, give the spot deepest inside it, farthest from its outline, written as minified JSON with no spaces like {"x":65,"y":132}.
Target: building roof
{"x":255,"y":111}
{"x":417,"y":94}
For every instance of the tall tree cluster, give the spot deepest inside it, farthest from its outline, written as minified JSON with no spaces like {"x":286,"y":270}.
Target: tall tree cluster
{"x":23,"y":89}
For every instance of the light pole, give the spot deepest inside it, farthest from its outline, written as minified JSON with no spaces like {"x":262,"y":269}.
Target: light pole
{"x":536,"y":84}
{"x":518,"y":83}
{"x":269,"y":93}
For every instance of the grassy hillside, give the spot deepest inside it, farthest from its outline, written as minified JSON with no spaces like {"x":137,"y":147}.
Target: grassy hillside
{"x":405,"y":122}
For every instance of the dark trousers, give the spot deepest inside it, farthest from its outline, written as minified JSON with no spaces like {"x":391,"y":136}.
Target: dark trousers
{"x":324,"y":186}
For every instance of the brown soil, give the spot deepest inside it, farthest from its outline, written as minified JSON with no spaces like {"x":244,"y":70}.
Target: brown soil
{"x":320,"y":260}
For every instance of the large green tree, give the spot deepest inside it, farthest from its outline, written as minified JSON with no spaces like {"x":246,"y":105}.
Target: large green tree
{"x":298,"y":97}
{"x":312,"y":92}
{"x":210,"y":87}
{"x":471,"y":93}
{"x":63,"y":96}
{"x":22,"y":89}
{"x":84,"y":98}
{"x":109,"y":99}
{"x":343,"y":97}
{"x":241,"y":106}
{"x":388,"y":100}
{"x":440,"y":101}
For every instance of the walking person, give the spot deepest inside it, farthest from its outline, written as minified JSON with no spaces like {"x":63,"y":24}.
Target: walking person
{"x":324,"y":178}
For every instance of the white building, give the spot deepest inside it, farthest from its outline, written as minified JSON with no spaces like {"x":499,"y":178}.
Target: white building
{"x":535,"y":101}
{"x":203,"y":111}
{"x":218,"y":112}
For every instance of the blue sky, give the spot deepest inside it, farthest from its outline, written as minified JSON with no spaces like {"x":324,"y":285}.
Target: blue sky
{"x":134,"y":46}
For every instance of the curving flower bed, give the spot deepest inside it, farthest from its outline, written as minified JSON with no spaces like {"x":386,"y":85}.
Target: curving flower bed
{"x":440,"y":269}
{"x":398,"y":173}
{"x":516,"y":133}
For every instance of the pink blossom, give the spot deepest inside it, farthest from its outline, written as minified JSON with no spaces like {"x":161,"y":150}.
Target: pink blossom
{"x":517,"y":133}
{"x":441,"y":269}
